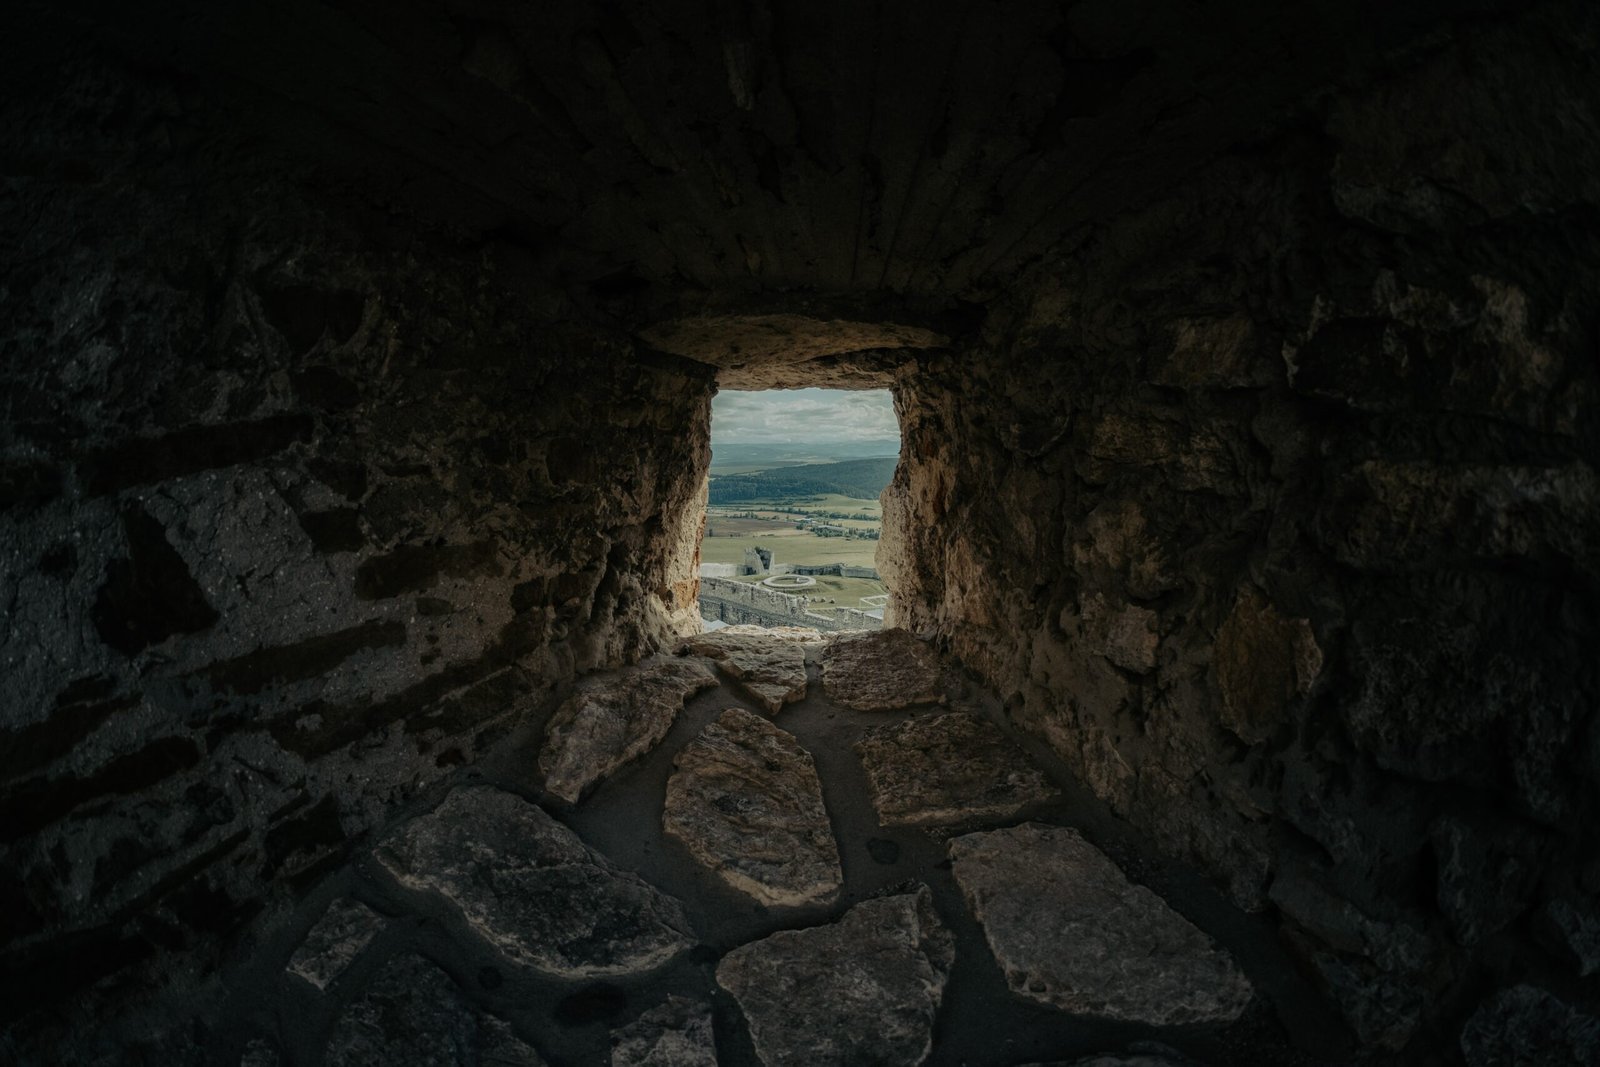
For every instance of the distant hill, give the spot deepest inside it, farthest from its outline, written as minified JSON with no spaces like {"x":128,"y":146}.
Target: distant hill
{"x":861,"y":478}
{"x":762,"y":454}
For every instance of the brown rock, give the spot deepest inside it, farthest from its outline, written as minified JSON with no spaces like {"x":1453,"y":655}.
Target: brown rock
{"x":947,"y":769}
{"x":1263,"y":662}
{"x":1124,"y":635}
{"x":745,"y":800}
{"x":862,"y":990}
{"x":772,"y":669}
{"x":1212,"y":352}
{"x":1070,"y":930}
{"x":614,"y":719}
{"x":881,"y":671}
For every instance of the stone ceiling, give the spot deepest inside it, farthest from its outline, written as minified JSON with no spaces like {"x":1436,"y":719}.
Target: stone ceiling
{"x":653,"y":155}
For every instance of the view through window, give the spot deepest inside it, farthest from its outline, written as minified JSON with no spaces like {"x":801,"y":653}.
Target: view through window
{"x":793,"y":519}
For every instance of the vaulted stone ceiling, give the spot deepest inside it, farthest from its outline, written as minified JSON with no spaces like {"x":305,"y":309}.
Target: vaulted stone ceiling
{"x":685,"y":160}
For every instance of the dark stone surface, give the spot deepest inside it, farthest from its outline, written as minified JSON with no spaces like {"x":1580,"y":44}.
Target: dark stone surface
{"x":1255,"y":314}
{"x":346,"y":928}
{"x":1525,"y":1026}
{"x":677,"y":1033}
{"x":862,"y":990}
{"x":532,"y":889}
{"x":948,"y":770}
{"x":149,"y":594}
{"x":744,"y":799}
{"x":412,"y":1013}
{"x":1069,"y":930}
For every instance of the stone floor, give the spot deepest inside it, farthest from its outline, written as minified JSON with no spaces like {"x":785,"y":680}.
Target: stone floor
{"x":711,"y":859}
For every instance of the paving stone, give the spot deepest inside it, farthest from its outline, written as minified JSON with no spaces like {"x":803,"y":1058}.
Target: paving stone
{"x":1068,"y":929}
{"x":880,"y":671}
{"x":532,"y":889}
{"x":1134,"y":1059}
{"x":943,"y":770}
{"x":811,"y":642}
{"x":677,"y":1033}
{"x":1576,"y":925}
{"x":863,"y":990}
{"x":342,"y":932}
{"x":412,"y":1015}
{"x":613,"y":719}
{"x":745,"y":800}
{"x":772,"y":670}
{"x":260,"y":1053}
{"x":1524,"y":1026}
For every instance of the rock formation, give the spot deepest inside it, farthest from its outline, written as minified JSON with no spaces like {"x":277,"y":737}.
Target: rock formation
{"x":862,"y":990}
{"x":881,"y":671}
{"x":610,"y":721}
{"x":1070,"y":930}
{"x":677,"y":1033}
{"x":772,"y":672}
{"x":414,"y":1015}
{"x":343,"y":931}
{"x":744,"y":799}
{"x":940,"y":770}
{"x":531,"y":888}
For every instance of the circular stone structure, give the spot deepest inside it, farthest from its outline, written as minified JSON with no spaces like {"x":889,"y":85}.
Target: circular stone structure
{"x":789,"y":581}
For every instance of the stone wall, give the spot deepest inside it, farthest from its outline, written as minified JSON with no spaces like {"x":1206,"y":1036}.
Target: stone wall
{"x":1273,"y":508}
{"x":837,"y":570}
{"x":747,"y":603}
{"x":298,"y":503}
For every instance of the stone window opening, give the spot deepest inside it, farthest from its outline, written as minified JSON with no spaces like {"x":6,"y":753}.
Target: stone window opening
{"x":793,"y":514}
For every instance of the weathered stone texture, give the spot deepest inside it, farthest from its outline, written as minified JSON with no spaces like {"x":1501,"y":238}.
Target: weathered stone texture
{"x":413,"y":1014}
{"x":864,"y":989}
{"x":288,"y":522}
{"x":612,"y":720}
{"x":1316,"y":557}
{"x":1525,"y":1026}
{"x":677,"y":1033}
{"x":771,"y":669}
{"x":745,"y":800}
{"x":881,"y":671}
{"x":336,"y":434}
{"x":532,"y":889}
{"x":336,"y":938}
{"x":1070,"y":930}
{"x":947,"y":770}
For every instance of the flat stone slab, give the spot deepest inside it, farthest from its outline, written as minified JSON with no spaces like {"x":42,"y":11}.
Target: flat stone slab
{"x":412,"y":1015}
{"x":1164,"y":1058}
{"x":1529,"y":1025}
{"x":946,"y":770}
{"x":772,"y":670}
{"x":342,"y":932}
{"x":881,"y":671}
{"x":863,"y":990}
{"x":745,"y":800}
{"x":613,"y":719}
{"x":258,"y":1053}
{"x":677,"y":1033}
{"x":533,"y":890}
{"x":1069,"y":930}
{"x":802,"y":634}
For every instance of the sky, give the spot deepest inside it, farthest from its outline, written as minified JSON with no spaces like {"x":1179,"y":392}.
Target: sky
{"x":803,"y":416}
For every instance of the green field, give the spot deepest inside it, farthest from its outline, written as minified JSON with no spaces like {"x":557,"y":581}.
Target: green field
{"x":834,"y":592}
{"x":790,"y":546}
{"x":774,"y":528}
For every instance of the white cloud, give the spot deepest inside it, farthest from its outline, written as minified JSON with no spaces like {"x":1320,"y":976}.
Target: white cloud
{"x":803,"y":416}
